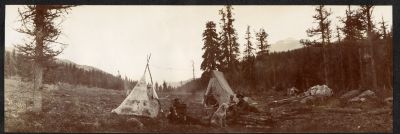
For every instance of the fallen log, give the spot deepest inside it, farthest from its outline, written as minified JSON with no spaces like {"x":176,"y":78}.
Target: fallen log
{"x":292,"y":117}
{"x":343,"y":110}
{"x":287,"y":100}
{"x":257,"y":126}
{"x":350,"y":94}
{"x":380,"y":111}
{"x":254,"y":120}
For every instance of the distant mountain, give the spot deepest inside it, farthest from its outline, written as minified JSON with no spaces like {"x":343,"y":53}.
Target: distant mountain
{"x":286,"y":44}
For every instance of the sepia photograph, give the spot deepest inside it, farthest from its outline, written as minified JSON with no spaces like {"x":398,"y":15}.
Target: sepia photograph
{"x":198,"y":68}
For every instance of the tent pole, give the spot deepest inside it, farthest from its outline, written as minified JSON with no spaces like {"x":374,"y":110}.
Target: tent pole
{"x":148,"y":68}
{"x":151,"y":79}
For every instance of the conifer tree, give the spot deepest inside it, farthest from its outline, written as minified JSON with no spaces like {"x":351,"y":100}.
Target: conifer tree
{"x":228,"y":40}
{"x":211,"y":48}
{"x":248,"y":58}
{"x":39,"y":22}
{"x":262,"y":42}
{"x":353,"y":25}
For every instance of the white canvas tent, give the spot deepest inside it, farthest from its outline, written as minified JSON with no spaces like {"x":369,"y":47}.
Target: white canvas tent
{"x":142,"y":100}
{"x":219,"y":88}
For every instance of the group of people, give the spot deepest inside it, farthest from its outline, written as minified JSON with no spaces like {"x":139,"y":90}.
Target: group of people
{"x":178,"y":109}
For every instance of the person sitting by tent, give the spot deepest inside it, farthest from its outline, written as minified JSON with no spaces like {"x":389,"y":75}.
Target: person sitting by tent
{"x":243,"y":106}
{"x":232,"y":113}
{"x":177,"y":112}
{"x":211,"y":101}
{"x":173,"y":115}
{"x":232,"y":102}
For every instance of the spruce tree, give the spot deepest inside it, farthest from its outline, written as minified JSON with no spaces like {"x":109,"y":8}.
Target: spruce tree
{"x":324,"y":32}
{"x":40,"y":23}
{"x":248,"y":58}
{"x":249,"y":50}
{"x":228,"y":41}
{"x":353,"y":25}
{"x":211,"y":48}
{"x":232,"y":39}
{"x":262,"y":42}
{"x":383,"y":29}
{"x":223,"y":43}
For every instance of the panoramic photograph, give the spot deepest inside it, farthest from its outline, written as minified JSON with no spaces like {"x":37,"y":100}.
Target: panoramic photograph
{"x":205,"y":69}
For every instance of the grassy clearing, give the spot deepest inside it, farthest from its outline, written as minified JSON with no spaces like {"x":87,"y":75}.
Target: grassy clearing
{"x":82,"y":109}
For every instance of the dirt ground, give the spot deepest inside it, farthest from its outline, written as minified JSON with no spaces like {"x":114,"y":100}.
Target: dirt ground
{"x":82,"y":109}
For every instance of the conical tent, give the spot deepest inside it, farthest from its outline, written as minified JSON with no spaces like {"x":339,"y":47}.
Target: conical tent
{"x":219,"y":88}
{"x":142,"y":101}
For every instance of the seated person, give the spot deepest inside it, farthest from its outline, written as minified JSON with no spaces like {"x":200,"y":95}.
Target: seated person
{"x":173,"y":115}
{"x":180,"y":110}
{"x":244,"y":106}
{"x":211,"y":101}
{"x":177,"y":111}
{"x":232,"y":113}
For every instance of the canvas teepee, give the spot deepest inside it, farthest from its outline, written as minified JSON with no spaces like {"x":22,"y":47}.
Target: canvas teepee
{"x":219,"y":88}
{"x":142,"y":100}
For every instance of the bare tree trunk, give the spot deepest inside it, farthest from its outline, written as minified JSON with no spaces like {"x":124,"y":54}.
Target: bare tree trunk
{"x":325,"y":66}
{"x":388,"y":64}
{"x":350,"y":72}
{"x":341,"y":66}
{"x":361,"y":84}
{"x":39,"y":60}
{"x":372,"y":66}
{"x":37,"y":84}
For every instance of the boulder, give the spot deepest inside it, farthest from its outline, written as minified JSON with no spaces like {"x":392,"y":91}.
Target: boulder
{"x":319,"y":90}
{"x":367,"y":93}
{"x":363,"y":96}
{"x":350,"y":94}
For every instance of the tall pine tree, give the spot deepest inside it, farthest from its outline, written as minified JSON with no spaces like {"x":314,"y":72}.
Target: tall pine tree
{"x":262,"y":42}
{"x":211,"y":48}
{"x":228,"y":42}
{"x":248,"y":58}
{"x":323,"y":31}
{"x":249,"y":50}
{"x":223,"y":43}
{"x":353,"y":25}
{"x":39,"y":22}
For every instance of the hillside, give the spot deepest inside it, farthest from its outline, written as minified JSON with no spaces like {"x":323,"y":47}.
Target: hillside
{"x":65,"y":71}
{"x":60,"y":61}
{"x":84,"y":67}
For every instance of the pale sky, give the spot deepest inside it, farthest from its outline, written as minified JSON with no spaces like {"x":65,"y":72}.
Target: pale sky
{"x":114,"y":38}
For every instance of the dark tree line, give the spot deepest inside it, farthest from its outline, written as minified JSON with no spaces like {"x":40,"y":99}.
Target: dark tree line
{"x":164,"y":87}
{"x":357,"y":56}
{"x":16,"y":65}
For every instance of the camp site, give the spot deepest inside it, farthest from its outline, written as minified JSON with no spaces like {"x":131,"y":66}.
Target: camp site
{"x":210,"y":69}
